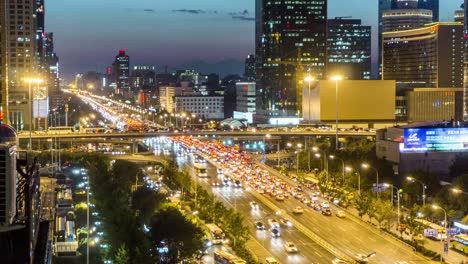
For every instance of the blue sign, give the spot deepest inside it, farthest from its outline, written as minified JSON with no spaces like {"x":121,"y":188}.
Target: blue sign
{"x":381,"y":187}
{"x":435,"y":139}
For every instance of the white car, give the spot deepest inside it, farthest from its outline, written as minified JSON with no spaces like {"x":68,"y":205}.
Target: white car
{"x":220,"y":171}
{"x":325,"y":205}
{"x":271,"y":260}
{"x":254,"y":205}
{"x":273,"y":223}
{"x":298,"y":210}
{"x":338,"y":261}
{"x":290,"y":247}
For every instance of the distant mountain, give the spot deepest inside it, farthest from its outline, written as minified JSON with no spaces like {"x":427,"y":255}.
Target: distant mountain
{"x":223,"y":68}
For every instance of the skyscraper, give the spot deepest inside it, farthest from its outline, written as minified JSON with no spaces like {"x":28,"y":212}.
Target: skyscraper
{"x":249,"y":72}
{"x":349,"y":48}
{"x":290,"y":40}
{"x":385,"y":5}
{"x":427,"y":57}
{"x":20,"y":36}
{"x":121,"y":72}
{"x":143,"y":77}
{"x":52,"y":68}
{"x":465,"y":63}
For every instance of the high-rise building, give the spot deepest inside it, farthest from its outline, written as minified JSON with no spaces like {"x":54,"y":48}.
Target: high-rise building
{"x":122,"y":73}
{"x":21,"y":60}
{"x":405,"y":19}
{"x":52,"y":68}
{"x":290,"y":40}
{"x":7,"y":180}
{"x":427,"y":57}
{"x":349,"y":49}
{"x":143,"y":77}
{"x":40,"y":34}
{"x":245,"y":97}
{"x":465,"y":62}
{"x":385,"y":5}
{"x":459,"y":16}
{"x":249,"y":72}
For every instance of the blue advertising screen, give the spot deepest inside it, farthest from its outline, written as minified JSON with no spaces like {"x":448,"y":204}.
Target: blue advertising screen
{"x":436,"y":139}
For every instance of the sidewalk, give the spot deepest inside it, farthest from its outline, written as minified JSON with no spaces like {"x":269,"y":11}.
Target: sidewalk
{"x":452,"y":257}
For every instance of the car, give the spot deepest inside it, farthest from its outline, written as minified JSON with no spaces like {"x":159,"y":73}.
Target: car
{"x":298,"y":196}
{"x":341,"y":214}
{"x":275,"y":232}
{"x":298,"y":210}
{"x":238,"y":184}
{"x":259,"y":225}
{"x":280,"y":197}
{"x":290,"y":247}
{"x":219,"y":171}
{"x":325,"y":205}
{"x":326,"y":212}
{"x":271,"y":260}
{"x":305,"y":201}
{"x":338,"y":261}
{"x":285,"y":222}
{"x":215,"y":183}
{"x":254,"y":205}
{"x":363,"y":258}
{"x":273,"y":223}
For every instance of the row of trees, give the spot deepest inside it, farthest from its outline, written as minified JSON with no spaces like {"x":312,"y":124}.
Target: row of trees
{"x":209,"y":210}
{"x":137,"y":224}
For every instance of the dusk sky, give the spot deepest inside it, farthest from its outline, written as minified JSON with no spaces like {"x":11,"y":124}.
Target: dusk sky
{"x":89,"y":33}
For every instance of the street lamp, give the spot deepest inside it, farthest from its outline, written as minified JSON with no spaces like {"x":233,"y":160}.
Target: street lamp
{"x":30,"y":81}
{"x":367,"y":166}
{"x":336,"y":78}
{"x":436,"y":207}
{"x":412,"y":179}
{"x":398,"y":198}
{"x":332,"y":157}
{"x":458,"y":191}
{"x":299,"y":146}
{"x":349,"y":169}
{"x":309,"y":79}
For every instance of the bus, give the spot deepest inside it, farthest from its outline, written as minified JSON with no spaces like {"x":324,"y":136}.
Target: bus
{"x":200,"y":170}
{"x":216,"y":234}
{"x":61,"y":130}
{"x":222,"y":257}
{"x":460,"y":243}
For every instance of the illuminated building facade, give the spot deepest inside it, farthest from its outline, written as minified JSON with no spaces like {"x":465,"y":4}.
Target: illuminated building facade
{"x":349,"y":49}
{"x":122,"y":73}
{"x":428,"y":57}
{"x":290,"y":40}
{"x":249,"y":72}
{"x":435,"y":104}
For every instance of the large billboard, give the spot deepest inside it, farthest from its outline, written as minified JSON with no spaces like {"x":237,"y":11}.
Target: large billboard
{"x":435,"y":139}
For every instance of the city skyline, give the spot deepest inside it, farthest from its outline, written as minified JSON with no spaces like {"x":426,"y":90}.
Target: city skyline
{"x":146,"y":43}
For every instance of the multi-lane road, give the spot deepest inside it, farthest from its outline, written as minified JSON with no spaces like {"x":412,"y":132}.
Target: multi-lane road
{"x":348,"y":236}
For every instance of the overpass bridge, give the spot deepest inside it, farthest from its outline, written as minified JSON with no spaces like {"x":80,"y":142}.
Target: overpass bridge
{"x":246,"y":134}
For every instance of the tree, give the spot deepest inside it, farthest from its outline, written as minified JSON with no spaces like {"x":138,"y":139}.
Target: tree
{"x":121,"y":257}
{"x":182,"y":237}
{"x":146,"y":201}
{"x":383,"y":212}
{"x":465,"y":220}
{"x":363,"y":203}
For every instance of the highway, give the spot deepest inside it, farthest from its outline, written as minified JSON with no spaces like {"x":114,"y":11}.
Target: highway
{"x":347,"y":237}
{"x":239,"y":199}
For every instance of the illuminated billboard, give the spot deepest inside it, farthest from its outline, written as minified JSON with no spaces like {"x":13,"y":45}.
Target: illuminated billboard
{"x":435,"y":139}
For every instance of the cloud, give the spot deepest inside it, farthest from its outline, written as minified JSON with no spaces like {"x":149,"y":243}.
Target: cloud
{"x":243,"y":15}
{"x":149,"y":10}
{"x":190,"y":11}
{"x":244,"y":18}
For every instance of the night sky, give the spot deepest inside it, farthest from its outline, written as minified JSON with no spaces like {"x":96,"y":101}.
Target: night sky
{"x":89,"y":33}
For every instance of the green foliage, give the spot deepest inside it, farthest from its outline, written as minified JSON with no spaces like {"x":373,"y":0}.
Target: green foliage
{"x":121,"y":257}
{"x":363,"y":203}
{"x":146,"y":201}
{"x":180,"y":235}
{"x":383,"y":212}
{"x":465,"y":220}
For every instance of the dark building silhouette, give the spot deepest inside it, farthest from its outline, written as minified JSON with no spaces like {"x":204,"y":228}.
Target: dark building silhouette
{"x":349,"y":49}
{"x":143,"y":77}
{"x":51,"y":62}
{"x":249,"y":72}
{"x":212,"y":84}
{"x":290,"y":39}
